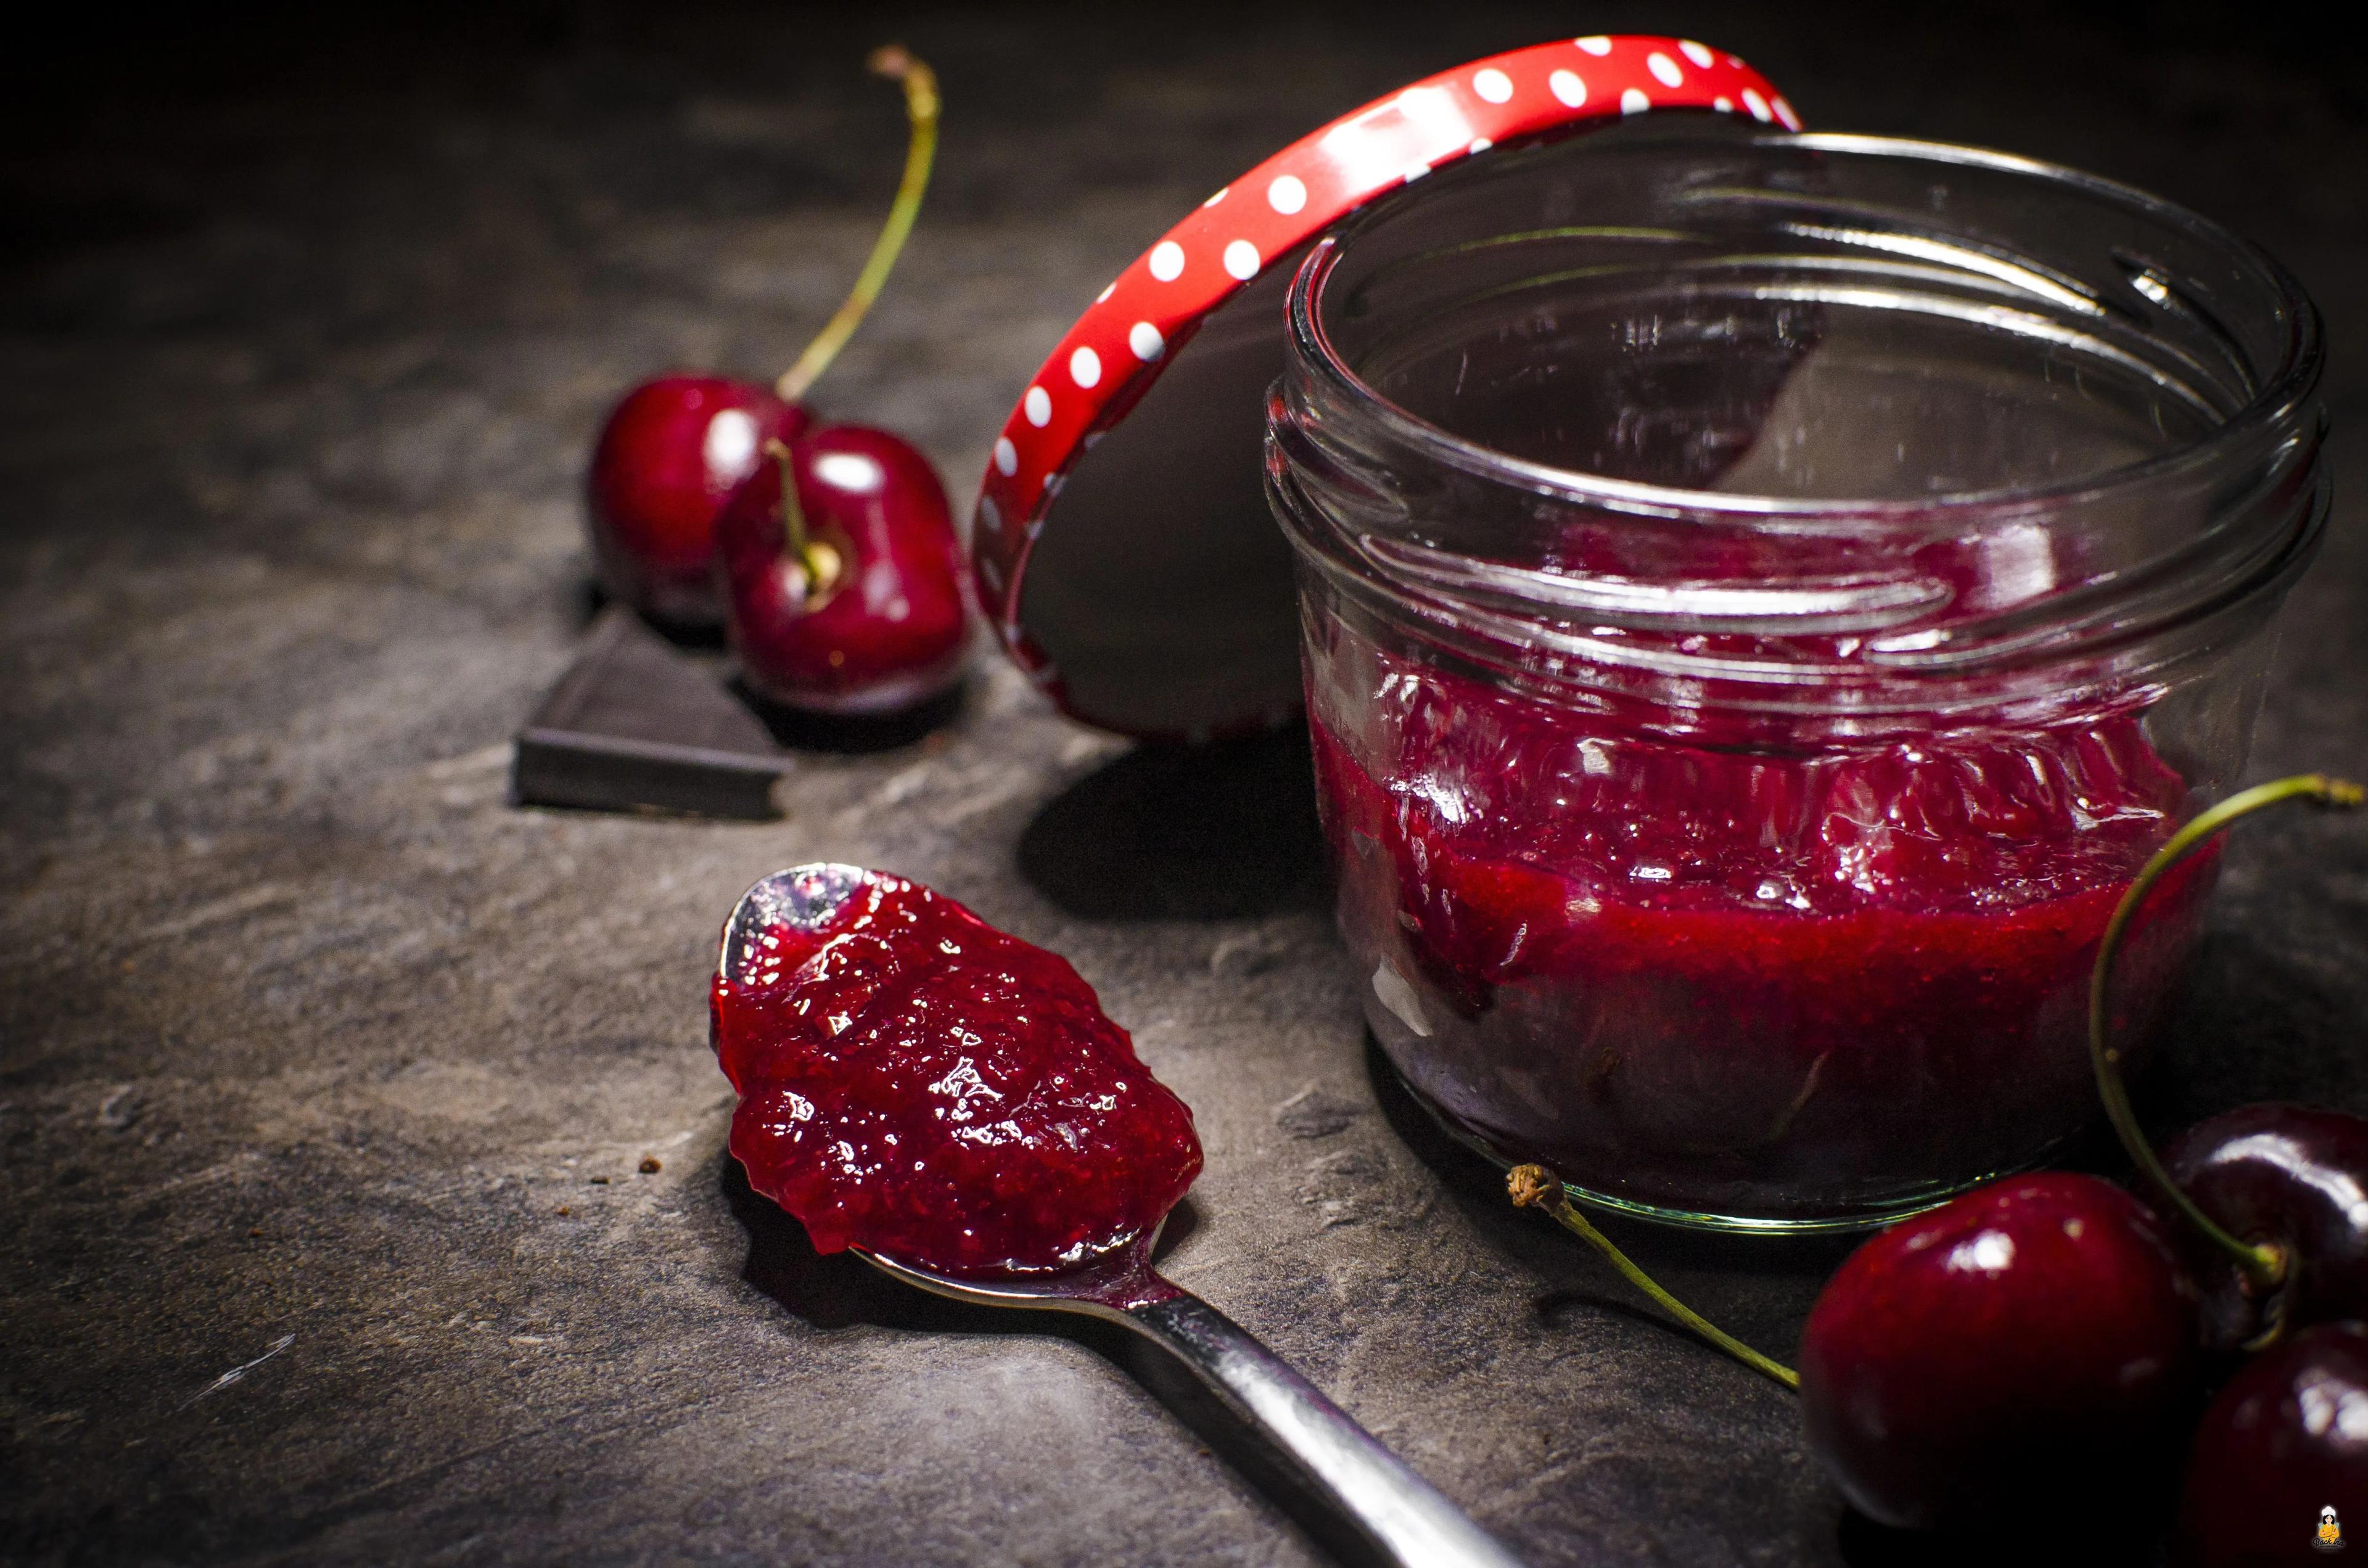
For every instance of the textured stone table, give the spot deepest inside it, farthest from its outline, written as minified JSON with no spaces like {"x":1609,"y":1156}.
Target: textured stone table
{"x":326,"y":1076}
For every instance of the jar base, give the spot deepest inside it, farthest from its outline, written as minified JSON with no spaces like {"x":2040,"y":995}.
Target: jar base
{"x":1839,"y":1220}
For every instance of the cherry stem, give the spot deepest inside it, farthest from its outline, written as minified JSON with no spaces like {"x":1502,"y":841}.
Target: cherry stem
{"x":2265,"y":1265}
{"x":1535,"y":1187}
{"x":920,"y":85}
{"x":793,"y":515}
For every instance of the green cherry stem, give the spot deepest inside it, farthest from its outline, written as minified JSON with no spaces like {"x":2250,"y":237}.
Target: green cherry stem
{"x":920,"y":84}
{"x":2265,"y":1266}
{"x":820,"y":562}
{"x":793,"y":515}
{"x":1535,"y":1187}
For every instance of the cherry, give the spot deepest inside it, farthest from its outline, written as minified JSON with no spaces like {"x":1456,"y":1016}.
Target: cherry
{"x":2294,"y":1177}
{"x":2029,"y":1342}
{"x":2287,"y":1437}
{"x":845,"y":589}
{"x":674,"y":449}
{"x":670,"y":454}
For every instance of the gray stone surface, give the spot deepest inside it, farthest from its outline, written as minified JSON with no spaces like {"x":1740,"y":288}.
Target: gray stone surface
{"x":325,"y":1075}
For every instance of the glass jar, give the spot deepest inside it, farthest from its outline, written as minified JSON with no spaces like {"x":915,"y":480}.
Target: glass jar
{"x":1763,"y":598}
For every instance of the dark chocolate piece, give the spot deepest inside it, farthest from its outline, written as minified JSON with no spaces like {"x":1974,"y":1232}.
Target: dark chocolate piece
{"x":639,"y":724}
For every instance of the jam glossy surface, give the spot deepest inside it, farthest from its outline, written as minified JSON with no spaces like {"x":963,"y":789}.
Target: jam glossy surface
{"x":1740,"y":980}
{"x":918,"y":1084}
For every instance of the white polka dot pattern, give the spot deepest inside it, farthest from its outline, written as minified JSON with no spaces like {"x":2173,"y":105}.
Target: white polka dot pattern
{"x":1137,"y":324}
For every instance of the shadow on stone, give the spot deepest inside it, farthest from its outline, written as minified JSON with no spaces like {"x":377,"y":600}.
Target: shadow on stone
{"x":1220,"y":832}
{"x":589,"y":598}
{"x":1758,"y":1289}
{"x":586,"y":599}
{"x":2109,"y":1540}
{"x":841,"y":1290}
{"x":854,"y":734}
{"x":838,"y":1289}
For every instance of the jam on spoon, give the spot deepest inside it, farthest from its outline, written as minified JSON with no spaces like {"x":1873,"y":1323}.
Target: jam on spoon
{"x":915,"y":1083}
{"x":952,"y":1103}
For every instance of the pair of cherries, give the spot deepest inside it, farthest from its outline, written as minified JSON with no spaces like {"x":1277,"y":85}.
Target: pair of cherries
{"x":826,"y":550}
{"x":2031,"y":1351}
{"x":2043,"y":1344}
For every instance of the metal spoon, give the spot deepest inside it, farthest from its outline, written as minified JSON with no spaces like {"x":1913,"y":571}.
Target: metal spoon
{"x":1403,"y":1515}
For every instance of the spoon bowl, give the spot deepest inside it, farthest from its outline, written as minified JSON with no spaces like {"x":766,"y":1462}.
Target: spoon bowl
{"x":1107,"y":1286}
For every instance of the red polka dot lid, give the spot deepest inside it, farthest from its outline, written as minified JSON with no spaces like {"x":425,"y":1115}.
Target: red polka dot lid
{"x":1121,"y":545}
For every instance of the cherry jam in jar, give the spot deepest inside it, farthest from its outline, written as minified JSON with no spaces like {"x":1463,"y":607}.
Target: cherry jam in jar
{"x":1763,"y":598}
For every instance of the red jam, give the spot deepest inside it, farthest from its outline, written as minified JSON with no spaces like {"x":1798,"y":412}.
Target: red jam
{"x":917,"y":1084}
{"x":1742,"y":981}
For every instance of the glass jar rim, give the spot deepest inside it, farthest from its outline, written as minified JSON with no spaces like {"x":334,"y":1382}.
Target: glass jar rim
{"x":2276,"y":397}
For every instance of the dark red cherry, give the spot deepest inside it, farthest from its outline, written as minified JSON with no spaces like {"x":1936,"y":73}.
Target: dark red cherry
{"x":2295,"y":1176}
{"x":2029,"y":1342}
{"x":671,"y":453}
{"x":2287,"y":1440}
{"x":855,"y":599}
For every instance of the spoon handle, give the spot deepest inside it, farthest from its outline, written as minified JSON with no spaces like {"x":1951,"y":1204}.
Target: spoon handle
{"x":1403,"y":1514}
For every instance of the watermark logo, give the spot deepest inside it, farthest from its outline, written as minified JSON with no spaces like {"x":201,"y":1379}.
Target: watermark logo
{"x":2330,"y":1533}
